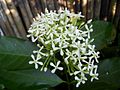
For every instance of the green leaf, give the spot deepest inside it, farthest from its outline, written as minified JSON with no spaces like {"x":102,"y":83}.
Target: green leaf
{"x":109,"y":71}
{"x":27,"y":79}
{"x":96,"y":86}
{"x":15,"y":53}
{"x":111,"y":51}
{"x":2,"y":87}
{"x":103,"y":33}
{"x":16,"y":73}
{"x":109,"y":76}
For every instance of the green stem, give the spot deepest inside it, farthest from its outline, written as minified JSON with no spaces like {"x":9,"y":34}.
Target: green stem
{"x":68,"y":82}
{"x":45,"y":62}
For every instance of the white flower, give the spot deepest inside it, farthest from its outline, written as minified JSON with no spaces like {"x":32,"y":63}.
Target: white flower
{"x":61,"y":47}
{"x":32,"y":37}
{"x":93,"y":72}
{"x":56,"y":67}
{"x":94,"y":76}
{"x":35,"y":61}
{"x":51,"y":40}
{"x":70,"y":56}
{"x":95,"y":55}
{"x":88,"y":30}
{"x":80,"y":69}
{"x":79,"y":48}
{"x":40,"y":53}
{"x":79,"y":80}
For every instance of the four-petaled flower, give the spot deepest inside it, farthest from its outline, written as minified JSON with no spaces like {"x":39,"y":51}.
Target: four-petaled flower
{"x":56,"y":67}
{"x":40,"y":53}
{"x":35,"y":61}
{"x":79,"y":81}
{"x":80,"y":69}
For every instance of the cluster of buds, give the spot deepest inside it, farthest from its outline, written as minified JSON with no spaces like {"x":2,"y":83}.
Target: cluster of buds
{"x":65,"y":34}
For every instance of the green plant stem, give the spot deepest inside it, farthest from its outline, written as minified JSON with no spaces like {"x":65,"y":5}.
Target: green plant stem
{"x":68,"y":82}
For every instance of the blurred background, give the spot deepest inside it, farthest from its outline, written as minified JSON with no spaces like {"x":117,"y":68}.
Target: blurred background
{"x":16,"y":16}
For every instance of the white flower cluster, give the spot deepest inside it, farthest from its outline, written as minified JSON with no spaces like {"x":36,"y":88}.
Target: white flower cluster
{"x":62,"y":33}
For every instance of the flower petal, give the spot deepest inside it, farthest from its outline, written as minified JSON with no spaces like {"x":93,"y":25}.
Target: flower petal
{"x":53,"y":71}
{"x":31,"y":62}
{"x":51,"y":64}
{"x":40,"y":63}
{"x":36,"y":66}
{"x":60,"y":68}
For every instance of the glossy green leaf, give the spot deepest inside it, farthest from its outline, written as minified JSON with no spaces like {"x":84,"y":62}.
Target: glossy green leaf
{"x":27,"y":79}
{"x":109,"y":71}
{"x":103,"y":33}
{"x":15,"y":53}
{"x":16,"y":73}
